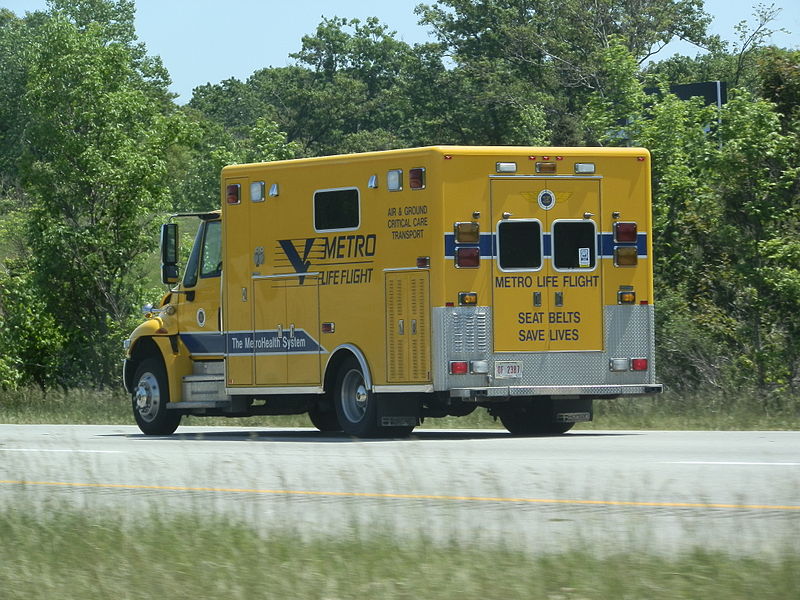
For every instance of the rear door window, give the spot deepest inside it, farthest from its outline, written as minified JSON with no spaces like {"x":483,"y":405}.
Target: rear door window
{"x":519,"y":245}
{"x":574,"y":245}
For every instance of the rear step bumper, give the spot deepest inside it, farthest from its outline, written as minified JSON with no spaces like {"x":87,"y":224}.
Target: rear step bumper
{"x":501,"y":392}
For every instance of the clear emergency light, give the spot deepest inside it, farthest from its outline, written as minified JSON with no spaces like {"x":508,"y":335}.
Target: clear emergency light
{"x":394,"y":180}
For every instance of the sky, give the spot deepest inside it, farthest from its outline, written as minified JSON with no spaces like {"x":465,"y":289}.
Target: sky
{"x":207,"y":41}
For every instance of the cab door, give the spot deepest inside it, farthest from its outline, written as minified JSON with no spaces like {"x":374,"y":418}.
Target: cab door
{"x":547,"y":293}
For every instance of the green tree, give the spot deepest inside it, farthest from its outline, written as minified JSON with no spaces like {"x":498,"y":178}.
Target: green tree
{"x":726,"y":191}
{"x":554,"y":51}
{"x":94,"y":167}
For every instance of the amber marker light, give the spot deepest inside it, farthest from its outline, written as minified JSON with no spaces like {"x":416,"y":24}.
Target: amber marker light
{"x":467,"y":298}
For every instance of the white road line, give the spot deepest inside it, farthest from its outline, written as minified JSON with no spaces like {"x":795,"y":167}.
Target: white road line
{"x":60,"y":450}
{"x":735,"y":463}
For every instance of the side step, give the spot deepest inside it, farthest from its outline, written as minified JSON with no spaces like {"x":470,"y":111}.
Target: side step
{"x":206,"y":386}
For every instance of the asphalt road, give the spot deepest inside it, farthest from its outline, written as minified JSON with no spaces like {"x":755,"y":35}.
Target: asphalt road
{"x":610,"y":490}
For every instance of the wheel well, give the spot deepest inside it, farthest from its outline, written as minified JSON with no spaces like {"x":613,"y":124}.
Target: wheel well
{"x":144,"y":348}
{"x":339,"y":356}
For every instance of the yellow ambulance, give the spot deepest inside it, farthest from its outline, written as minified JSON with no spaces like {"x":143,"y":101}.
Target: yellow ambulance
{"x":374,"y":290}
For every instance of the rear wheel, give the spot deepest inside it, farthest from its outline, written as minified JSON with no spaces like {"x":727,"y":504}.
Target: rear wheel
{"x":324,"y":420}
{"x":357,"y":405}
{"x":532,"y":419}
{"x":150,"y":398}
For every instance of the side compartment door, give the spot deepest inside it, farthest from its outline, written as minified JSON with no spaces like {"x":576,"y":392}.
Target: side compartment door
{"x":408,"y":337}
{"x":269,"y":310}
{"x":302,"y":322}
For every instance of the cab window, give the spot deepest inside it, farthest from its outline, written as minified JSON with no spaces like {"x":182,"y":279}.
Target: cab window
{"x":211,"y":265}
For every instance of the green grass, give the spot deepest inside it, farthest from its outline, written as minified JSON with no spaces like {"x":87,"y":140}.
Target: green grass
{"x":69,"y":554}
{"x":712,"y":410}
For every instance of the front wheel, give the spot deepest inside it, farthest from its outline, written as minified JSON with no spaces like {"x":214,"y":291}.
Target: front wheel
{"x":150,"y":398}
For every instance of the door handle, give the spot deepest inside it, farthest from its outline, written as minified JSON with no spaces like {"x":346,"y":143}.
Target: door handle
{"x":401,"y":327}
{"x":559,"y":298}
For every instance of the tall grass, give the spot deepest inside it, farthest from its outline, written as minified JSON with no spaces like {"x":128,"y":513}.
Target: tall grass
{"x":70,"y":554}
{"x":706,"y":410}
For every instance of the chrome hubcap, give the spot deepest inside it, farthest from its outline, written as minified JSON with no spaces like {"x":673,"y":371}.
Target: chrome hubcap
{"x":354,"y":396}
{"x":147,"y":397}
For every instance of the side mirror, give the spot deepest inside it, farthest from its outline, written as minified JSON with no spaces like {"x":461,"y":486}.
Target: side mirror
{"x":169,"y":253}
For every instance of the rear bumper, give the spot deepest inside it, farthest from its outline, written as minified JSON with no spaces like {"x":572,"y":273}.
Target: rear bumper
{"x":591,"y":391}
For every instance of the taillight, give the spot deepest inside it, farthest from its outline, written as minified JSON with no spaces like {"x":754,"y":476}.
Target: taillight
{"x":468,"y":258}
{"x":459,"y":367}
{"x":638,"y":364}
{"x":625,"y":232}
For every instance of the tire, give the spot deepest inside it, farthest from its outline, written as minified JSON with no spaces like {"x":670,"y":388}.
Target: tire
{"x":357,"y":406}
{"x":150,"y":398}
{"x":324,"y":420}
{"x":532,"y":419}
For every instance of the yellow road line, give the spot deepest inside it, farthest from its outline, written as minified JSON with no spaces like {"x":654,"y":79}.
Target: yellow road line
{"x":180,"y":488}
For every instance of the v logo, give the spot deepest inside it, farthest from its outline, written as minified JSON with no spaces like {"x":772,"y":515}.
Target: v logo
{"x":299,"y":263}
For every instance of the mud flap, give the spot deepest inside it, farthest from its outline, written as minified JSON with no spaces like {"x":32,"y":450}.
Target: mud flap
{"x":398,"y":410}
{"x":576,"y":410}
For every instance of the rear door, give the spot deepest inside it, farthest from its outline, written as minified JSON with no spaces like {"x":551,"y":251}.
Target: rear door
{"x":546,"y":274}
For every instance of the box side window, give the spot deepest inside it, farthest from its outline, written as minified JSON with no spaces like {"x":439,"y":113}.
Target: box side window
{"x":336,"y":209}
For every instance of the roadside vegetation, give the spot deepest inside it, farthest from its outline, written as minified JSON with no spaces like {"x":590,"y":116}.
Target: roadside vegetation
{"x":712,"y":410}
{"x":69,"y":554}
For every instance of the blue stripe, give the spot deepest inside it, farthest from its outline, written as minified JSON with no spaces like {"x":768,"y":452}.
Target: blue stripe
{"x":204,"y":343}
{"x":244,"y":342}
{"x":488,"y":245}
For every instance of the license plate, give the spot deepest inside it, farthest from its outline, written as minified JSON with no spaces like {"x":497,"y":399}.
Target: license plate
{"x":507,"y":370}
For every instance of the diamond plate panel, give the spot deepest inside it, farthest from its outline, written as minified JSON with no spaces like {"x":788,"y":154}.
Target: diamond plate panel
{"x":464,"y":334}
